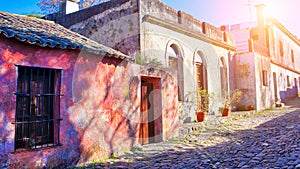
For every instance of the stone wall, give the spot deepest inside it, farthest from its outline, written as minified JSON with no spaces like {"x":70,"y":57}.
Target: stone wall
{"x":68,"y":20}
{"x":114,"y":23}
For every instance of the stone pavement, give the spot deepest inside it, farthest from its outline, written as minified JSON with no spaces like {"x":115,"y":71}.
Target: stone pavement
{"x":266,"y":139}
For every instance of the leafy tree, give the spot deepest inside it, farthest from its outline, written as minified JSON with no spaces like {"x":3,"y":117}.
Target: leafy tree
{"x":52,"y":6}
{"x":49,"y":6}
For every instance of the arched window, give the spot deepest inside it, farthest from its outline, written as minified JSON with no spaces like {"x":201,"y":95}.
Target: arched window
{"x":201,"y":71}
{"x":223,"y":76}
{"x":175,"y":61}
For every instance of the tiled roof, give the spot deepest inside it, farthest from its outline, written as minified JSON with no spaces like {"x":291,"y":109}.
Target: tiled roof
{"x":49,"y":34}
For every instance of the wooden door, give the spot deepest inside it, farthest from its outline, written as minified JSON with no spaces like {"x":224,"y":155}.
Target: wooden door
{"x":146,"y":134}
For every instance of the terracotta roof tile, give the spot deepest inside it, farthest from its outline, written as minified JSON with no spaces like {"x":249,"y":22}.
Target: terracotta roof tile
{"x":49,"y":34}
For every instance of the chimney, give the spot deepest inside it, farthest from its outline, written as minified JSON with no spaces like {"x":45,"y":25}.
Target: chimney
{"x":69,"y":6}
{"x":261,"y":22}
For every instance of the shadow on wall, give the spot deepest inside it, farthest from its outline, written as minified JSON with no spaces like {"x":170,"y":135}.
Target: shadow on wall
{"x":7,"y":102}
{"x":288,"y":94}
{"x":105,"y":108}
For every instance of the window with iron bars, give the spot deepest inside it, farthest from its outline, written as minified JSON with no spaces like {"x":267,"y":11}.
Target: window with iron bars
{"x":37,"y":117}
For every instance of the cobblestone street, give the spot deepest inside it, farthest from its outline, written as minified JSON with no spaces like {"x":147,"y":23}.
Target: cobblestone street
{"x":265,"y":139}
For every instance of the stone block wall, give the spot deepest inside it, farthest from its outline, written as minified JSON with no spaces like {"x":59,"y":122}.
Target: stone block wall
{"x":114,"y":24}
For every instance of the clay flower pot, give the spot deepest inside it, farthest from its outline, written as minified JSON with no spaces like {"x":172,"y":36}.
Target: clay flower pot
{"x":200,"y":116}
{"x":225,"y":111}
{"x":250,"y":107}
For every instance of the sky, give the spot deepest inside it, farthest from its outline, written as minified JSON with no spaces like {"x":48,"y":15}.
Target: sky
{"x":215,"y":12}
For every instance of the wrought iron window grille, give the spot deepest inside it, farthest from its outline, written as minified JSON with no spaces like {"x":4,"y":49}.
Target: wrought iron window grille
{"x":37,"y":117}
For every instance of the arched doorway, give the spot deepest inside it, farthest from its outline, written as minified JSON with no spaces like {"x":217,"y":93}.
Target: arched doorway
{"x":175,"y":62}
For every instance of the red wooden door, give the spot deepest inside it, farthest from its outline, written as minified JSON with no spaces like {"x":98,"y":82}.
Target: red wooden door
{"x":146,"y":118}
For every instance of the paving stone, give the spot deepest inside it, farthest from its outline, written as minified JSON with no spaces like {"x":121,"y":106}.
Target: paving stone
{"x":249,"y":155}
{"x":269,"y":140}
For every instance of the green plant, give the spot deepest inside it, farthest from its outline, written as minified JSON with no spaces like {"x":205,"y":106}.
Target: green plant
{"x":154,"y":62}
{"x":201,"y":98}
{"x":231,"y":97}
{"x":35,"y":15}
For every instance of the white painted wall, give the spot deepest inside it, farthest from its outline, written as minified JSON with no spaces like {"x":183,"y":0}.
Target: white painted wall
{"x":154,"y":42}
{"x":71,"y":7}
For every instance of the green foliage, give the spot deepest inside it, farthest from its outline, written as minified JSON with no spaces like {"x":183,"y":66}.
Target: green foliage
{"x":153,"y":62}
{"x":201,"y":97}
{"x":35,"y":15}
{"x":49,"y":6}
{"x":231,"y":97}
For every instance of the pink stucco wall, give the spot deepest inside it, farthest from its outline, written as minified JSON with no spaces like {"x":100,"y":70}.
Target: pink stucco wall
{"x":13,"y":52}
{"x":100,"y":106}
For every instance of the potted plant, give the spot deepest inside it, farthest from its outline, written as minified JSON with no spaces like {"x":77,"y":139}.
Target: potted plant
{"x":202,"y":98}
{"x":231,"y":97}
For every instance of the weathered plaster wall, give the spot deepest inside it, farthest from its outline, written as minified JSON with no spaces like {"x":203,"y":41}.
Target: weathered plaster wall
{"x":284,"y":91}
{"x":160,"y":10}
{"x":13,"y":52}
{"x":119,"y":27}
{"x":284,"y":66}
{"x":248,"y":77}
{"x":264,"y":95}
{"x":288,"y":44}
{"x":100,"y":107}
{"x":155,"y":41}
{"x":271,"y":61}
{"x":105,"y":106}
{"x":116,"y":25}
{"x":244,"y":78}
